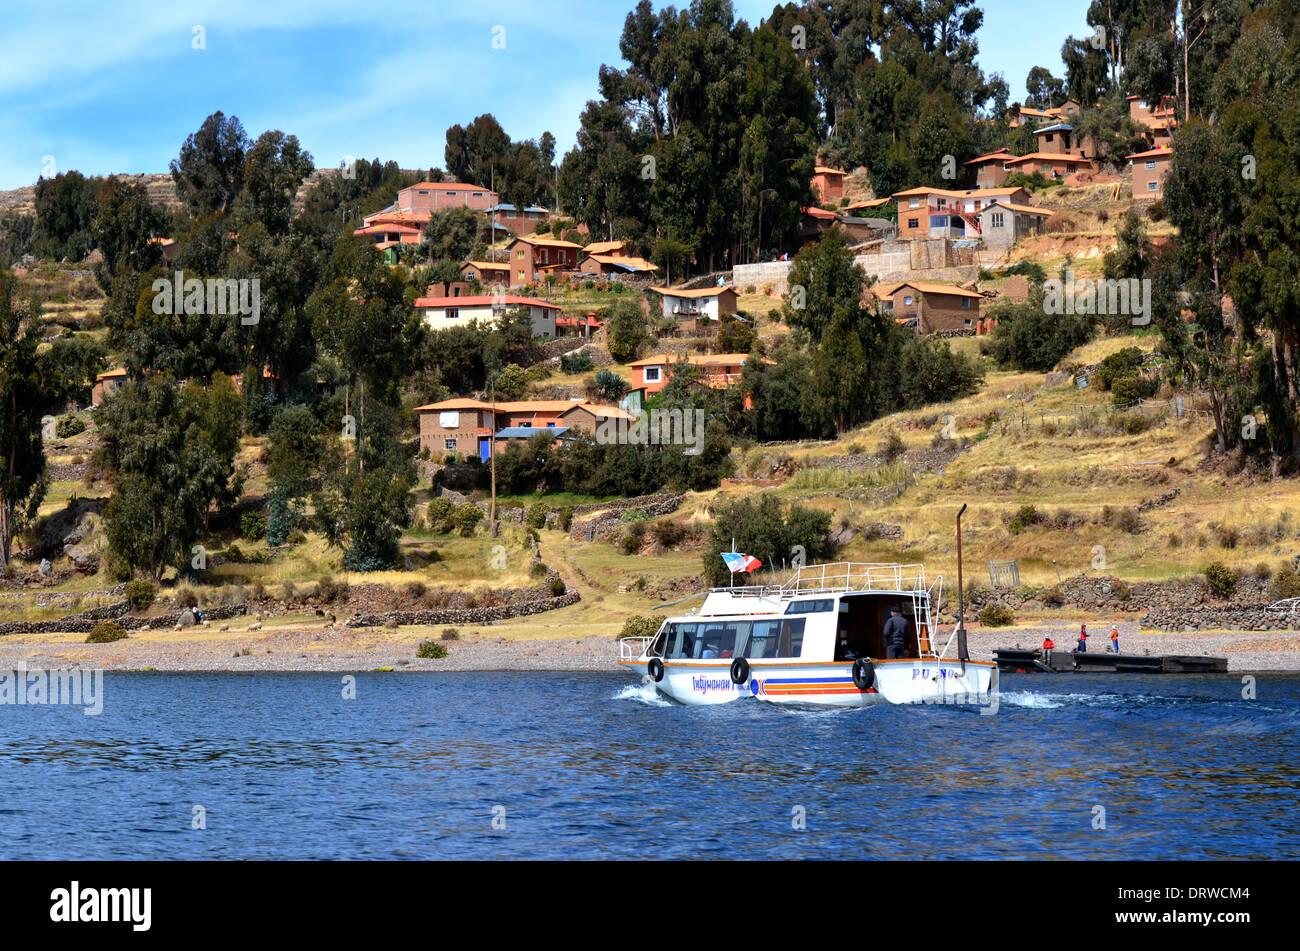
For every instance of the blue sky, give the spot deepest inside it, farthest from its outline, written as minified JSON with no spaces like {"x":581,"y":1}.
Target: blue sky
{"x":117,"y":87}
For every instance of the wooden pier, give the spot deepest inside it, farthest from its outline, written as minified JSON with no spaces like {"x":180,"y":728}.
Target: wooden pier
{"x":1024,"y":660}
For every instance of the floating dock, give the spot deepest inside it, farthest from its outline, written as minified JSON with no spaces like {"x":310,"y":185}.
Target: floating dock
{"x":1025,"y":660}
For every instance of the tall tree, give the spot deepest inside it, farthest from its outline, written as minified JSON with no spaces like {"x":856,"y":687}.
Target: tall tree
{"x":209,"y":172}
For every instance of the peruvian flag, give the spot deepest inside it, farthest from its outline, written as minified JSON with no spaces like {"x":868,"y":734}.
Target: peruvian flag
{"x":740,"y":562}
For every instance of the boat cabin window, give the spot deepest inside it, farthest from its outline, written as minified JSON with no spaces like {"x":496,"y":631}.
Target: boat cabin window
{"x":810,"y":607}
{"x":721,"y":640}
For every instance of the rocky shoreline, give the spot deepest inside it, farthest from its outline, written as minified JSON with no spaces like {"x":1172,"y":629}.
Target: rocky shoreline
{"x":336,"y":648}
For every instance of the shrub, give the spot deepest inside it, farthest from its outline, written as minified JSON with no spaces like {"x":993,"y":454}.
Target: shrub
{"x":1156,"y":210}
{"x":252,"y":526}
{"x":1263,"y":571}
{"x":415,"y":590}
{"x":1221,"y":579}
{"x":329,"y":590}
{"x":668,"y":533}
{"x":186,"y":598}
{"x":609,"y":385}
{"x":439,"y":514}
{"x":1026,"y":516}
{"x":450,"y":634}
{"x":105,"y":632}
{"x":997,"y":614}
{"x":290,"y":591}
{"x":234,"y":554}
{"x":69,"y":426}
{"x":1285,"y":584}
{"x":639,"y":626}
{"x":537,"y":513}
{"x":1054,"y":596}
{"x":893,"y":446}
{"x":558,"y":587}
{"x":140,"y":594}
{"x":565,"y":514}
{"x":1226,"y":536}
{"x":1121,"y":590}
{"x":537,"y":569}
{"x":466,"y":518}
{"x":572,"y":363}
{"x":431,"y":649}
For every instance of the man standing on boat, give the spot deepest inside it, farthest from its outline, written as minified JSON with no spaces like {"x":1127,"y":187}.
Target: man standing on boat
{"x":895,"y":634}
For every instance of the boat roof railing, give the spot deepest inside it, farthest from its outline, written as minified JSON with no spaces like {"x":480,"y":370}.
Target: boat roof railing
{"x":839,"y":577}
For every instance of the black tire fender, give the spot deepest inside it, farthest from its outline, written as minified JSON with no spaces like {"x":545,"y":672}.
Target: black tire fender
{"x":740,"y":671}
{"x":864,"y":674}
{"x":655,"y":668}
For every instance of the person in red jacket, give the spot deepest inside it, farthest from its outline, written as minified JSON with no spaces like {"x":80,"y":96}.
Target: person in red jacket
{"x":1048,"y":646}
{"x":1083,"y":639}
{"x":1114,"y":639}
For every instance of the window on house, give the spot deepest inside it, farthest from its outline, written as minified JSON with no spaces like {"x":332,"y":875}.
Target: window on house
{"x":965,"y":303}
{"x":1152,"y":186}
{"x":997,"y":219}
{"x":1151,"y":164}
{"x":449,"y":444}
{"x":914,"y":203}
{"x":968,"y":323}
{"x":907,"y":300}
{"x":522,"y":277}
{"x":451,"y":194}
{"x":424,"y":192}
{"x":1048,"y":137}
{"x":652,"y":374}
{"x":453,"y":313}
{"x":913,"y":223}
{"x":520,"y":254}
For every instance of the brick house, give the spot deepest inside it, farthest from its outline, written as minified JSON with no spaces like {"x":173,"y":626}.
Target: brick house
{"x":1003,"y":223}
{"x":443,"y":311}
{"x":429,"y":198}
{"x":107,"y":384}
{"x":1157,"y":119}
{"x":1050,"y":165}
{"x":486,"y":272}
{"x":514,"y":220}
{"x":1150,"y":169}
{"x":468,"y":426}
{"x":990,"y":170}
{"x":828,"y":183}
{"x":717,"y":370}
{"x":934,"y":307}
{"x":943,"y":213}
{"x":611,"y":264}
{"x":533,"y":256}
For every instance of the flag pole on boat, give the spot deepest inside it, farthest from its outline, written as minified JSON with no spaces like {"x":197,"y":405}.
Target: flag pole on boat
{"x":962,"y":654}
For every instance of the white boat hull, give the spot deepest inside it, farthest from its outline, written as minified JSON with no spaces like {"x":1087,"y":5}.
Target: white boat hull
{"x":831,"y":683}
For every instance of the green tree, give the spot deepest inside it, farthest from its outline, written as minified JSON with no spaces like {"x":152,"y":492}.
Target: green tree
{"x":932,"y":372}
{"x":273,"y":169}
{"x":209,"y":172}
{"x":624,"y":329}
{"x":451,"y":234}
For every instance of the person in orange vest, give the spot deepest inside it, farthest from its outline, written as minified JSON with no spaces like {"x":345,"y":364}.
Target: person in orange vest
{"x":1083,"y":639}
{"x":1114,"y":639}
{"x":1048,"y":646}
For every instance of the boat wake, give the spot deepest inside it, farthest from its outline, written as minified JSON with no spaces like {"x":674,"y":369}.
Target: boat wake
{"x":643,"y":692}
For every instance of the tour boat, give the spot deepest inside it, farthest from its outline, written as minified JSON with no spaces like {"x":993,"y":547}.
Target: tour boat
{"x":816,"y":638}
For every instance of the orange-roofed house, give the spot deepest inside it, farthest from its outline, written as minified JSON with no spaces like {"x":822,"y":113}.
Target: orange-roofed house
{"x":1158,"y":119}
{"x":989,"y":170}
{"x":442,"y":312}
{"x":107,"y":384}
{"x":487,"y":272}
{"x":610,"y":264}
{"x":1150,"y":169}
{"x":828,"y":183}
{"x":388,"y":237}
{"x":1050,"y":164}
{"x":934,"y":307}
{"x":533,"y":256}
{"x":469,"y":426}
{"x":945,"y":213}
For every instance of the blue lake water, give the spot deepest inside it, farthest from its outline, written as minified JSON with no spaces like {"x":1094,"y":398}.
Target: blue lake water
{"x":593,"y":766}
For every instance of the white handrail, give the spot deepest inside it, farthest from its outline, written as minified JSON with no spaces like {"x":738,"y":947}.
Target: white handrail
{"x":632,"y":648}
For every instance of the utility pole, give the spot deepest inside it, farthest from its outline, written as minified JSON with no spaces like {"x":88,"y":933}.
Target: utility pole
{"x":492,"y":451}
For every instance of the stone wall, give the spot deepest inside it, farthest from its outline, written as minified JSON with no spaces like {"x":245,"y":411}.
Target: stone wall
{"x":608,"y":524}
{"x":85,"y":621}
{"x":484,"y":615}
